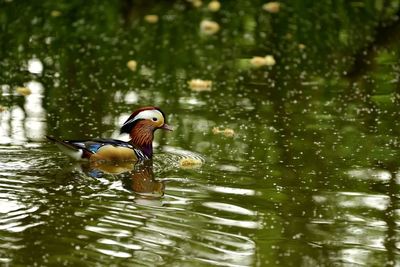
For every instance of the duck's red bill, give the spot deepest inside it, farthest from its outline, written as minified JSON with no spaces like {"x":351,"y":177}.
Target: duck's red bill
{"x":166,"y":127}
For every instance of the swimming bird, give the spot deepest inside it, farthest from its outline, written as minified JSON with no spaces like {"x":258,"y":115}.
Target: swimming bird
{"x":140,"y":126}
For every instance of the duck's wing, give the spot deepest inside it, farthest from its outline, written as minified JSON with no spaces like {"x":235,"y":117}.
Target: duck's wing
{"x":102,"y":149}
{"x":110,"y":150}
{"x":93,"y":145}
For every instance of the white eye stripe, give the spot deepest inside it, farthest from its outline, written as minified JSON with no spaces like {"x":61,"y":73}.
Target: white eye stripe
{"x":147,"y":115}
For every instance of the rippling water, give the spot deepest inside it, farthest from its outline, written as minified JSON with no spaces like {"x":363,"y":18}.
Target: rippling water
{"x":54,"y":211}
{"x":268,"y":196}
{"x":54,"y":215}
{"x":290,"y":162}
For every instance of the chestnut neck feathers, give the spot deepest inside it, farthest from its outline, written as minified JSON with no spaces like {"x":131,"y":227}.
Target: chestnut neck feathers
{"x":142,"y":135}
{"x":141,"y":126}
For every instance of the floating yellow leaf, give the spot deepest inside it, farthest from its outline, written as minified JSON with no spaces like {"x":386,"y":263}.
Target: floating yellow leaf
{"x":190,"y":163}
{"x":262,"y":61}
{"x":272,"y":7}
{"x":229,"y":132}
{"x":214,"y":6}
{"x":269,"y":60}
{"x":132,"y":65}
{"x":23,"y":91}
{"x":55,"y":13}
{"x":257,"y":62}
{"x":302,"y":46}
{"x":151,"y":19}
{"x":200,"y":85}
{"x":209,"y":27}
{"x":196,"y":3}
{"x":216,"y":130}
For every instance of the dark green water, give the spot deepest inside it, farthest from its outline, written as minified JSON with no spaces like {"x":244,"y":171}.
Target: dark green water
{"x":309,"y":178}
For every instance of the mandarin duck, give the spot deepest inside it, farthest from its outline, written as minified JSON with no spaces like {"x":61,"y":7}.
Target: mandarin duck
{"x":140,"y":126}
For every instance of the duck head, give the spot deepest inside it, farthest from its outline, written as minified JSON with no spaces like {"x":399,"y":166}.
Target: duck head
{"x":141,"y":126}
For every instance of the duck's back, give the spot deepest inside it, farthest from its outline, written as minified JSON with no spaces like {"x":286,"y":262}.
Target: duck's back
{"x":100,"y":149}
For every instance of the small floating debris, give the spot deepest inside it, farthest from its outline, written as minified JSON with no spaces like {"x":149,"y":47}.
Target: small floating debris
{"x":209,"y":27}
{"x":214,"y":6}
{"x":25,"y":91}
{"x":196,"y":3}
{"x":132,"y":65}
{"x":199,"y":85}
{"x":190,"y":163}
{"x":152,"y":19}
{"x":2,"y":108}
{"x":262,"y":61}
{"x":270,"y":60}
{"x":302,"y":46}
{"x":272,"y":7}
{"x":216,"y":130}
{"x":228,"y":132}
{"x":55,"y":13}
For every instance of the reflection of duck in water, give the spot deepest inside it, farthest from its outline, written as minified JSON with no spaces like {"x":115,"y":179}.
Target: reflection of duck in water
{"x":138,"y":177}
{"x":143,"y":183}
{"x":140,"y":126}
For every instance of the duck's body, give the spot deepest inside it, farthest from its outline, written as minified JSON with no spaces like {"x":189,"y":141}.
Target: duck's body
{"x":140,"y":126}
{"x":100,"y":149}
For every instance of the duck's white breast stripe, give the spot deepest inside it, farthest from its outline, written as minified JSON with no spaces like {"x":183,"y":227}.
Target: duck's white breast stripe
{"x":140,"y":154}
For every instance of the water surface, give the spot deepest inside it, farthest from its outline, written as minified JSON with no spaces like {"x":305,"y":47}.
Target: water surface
{"x":310,"y":176}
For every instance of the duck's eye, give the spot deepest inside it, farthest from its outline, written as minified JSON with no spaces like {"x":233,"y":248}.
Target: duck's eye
{"x":154,"y":119}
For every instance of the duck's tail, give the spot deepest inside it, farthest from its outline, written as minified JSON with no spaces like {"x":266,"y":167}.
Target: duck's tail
{"x":58,"y":142}
{"x":69,"y":149}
